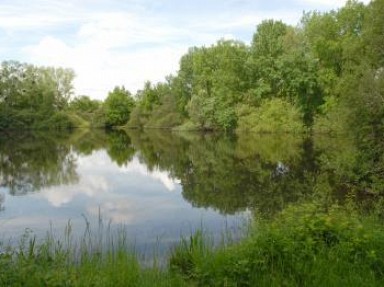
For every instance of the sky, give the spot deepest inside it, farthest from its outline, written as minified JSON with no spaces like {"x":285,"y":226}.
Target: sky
{"x":127,"y":42}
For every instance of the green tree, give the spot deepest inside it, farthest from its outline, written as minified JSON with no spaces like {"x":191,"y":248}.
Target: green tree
{"x":118,"y":106}
{"x":148,"y":97}
{"x":32,"y":97}
{"x":84,"y":104}
{"x":373,"y":33}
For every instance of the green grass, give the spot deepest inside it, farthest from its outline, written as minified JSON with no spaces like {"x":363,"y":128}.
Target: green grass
{"x":98,"y":258}
{"x":305,"y":245}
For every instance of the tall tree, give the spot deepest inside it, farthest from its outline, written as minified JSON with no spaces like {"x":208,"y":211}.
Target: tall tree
{"x":31,"y":95}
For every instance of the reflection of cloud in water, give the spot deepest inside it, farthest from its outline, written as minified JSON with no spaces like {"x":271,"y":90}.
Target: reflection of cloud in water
{"x":131,"y":210}
{"x":89,"y":186}
{"x":162,"y":176}
{"x":117,"y":211}
{"x":94,"y":182}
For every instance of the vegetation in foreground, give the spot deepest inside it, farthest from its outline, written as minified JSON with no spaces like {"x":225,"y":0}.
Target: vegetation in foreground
{"x":305,"y":245}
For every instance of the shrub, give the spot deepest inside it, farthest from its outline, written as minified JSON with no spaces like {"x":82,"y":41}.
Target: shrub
{"x":273,"y":116}
{"x":59,"y":120}
{"x":332,"y":118}
{"x":187,"y":126}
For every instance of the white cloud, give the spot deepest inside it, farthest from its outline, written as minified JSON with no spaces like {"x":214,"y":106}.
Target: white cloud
{"x":130,"y":209}
{"x":90,"y":186}
{"x":94,"y":184}
{"x":104,"y":53}
{"x":50,"y":50}
{"x":31,"y":16}
{"x":121,"y":210}
{"x":99,"y":69}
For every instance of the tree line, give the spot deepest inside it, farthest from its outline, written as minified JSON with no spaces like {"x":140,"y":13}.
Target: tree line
{"x":33,"y":97}
{"x":325,"y":75}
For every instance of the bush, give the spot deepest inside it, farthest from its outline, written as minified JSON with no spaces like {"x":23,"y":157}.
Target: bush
{"x":273,"y":116}
{"x":332,"y":118}
{"x":187,"y":126}
{"x":165,"y":115}
{"x":138,"y":118}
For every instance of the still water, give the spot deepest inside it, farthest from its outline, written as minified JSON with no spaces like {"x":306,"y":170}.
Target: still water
{"x":157,"y":184}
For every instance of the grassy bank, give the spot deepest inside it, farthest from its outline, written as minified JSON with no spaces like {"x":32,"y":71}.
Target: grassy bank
{"x":305,"y":245}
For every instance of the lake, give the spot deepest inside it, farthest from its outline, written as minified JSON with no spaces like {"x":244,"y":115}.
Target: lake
{"x":156,"y":184}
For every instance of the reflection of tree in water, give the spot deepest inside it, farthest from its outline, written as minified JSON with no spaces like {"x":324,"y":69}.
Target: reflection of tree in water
{"x":2,"y":199}
{"x":119,"y":147}
{"x":232,"y":183}
{"x":227,"y":173}
{"x":30,"y":162}
{"x":231,"y":174}
{"x":85,"y":141}
{"x":162,"y":151}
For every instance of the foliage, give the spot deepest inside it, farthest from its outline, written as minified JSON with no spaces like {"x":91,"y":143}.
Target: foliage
{"x":165,"y":115}
{"x":314,"y":66}
{"x":138,"y":118}
{"x":367,"y":118}
{"x":157,"y":107}
{"x":332,"y":118}
{"x":84,"y":104}
{"x":118,"y":106}
{"x":274,"y":115}
{"x":306,"y":245}
{"x":187,"y":126}
{"x":212,"y":81}
{"x":31,"y":95}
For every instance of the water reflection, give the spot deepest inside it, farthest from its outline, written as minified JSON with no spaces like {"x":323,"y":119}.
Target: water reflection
{"x":227,"y":173}
{"x":159,"y":183}
{"x":2,"y":198}
{"x":30,"y":162}
{"x":122,"y":170}
{"x":232,"y":174}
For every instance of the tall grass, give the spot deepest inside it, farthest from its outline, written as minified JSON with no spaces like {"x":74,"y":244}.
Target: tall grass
{"x":100,"y":257}
{"x":307,"y":244}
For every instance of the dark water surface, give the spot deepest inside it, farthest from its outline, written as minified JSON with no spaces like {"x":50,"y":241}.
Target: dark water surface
{"x":156,"y":184}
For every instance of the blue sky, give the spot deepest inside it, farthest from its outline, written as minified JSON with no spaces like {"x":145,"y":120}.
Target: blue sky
{"x":111,"y":42}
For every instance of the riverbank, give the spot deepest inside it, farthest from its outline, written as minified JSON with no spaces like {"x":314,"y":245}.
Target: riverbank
{"x":305,"y":245}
